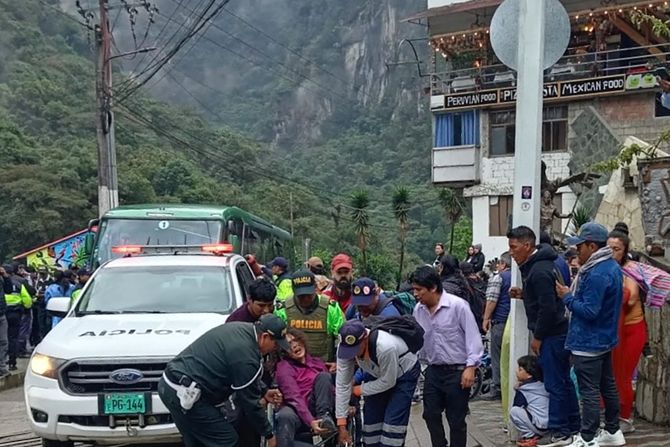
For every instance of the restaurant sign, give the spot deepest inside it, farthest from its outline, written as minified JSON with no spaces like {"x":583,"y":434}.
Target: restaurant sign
{"x":551,"y":91}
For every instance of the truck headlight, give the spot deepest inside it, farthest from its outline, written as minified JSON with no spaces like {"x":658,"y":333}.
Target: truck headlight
{"x":45,"y":366}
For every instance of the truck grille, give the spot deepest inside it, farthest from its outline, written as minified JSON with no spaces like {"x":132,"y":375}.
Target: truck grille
{"x":93,"y":376}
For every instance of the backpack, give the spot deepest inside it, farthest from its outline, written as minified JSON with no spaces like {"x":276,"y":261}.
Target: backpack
{"x":403,"y":301}
{"x":405,"y":327}
{"x":653,"y":281}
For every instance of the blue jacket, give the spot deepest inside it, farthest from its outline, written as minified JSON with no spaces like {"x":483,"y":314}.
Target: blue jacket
{"x":385,"y":308}
{"x":595,"y":307}
{"x":57,"y":291}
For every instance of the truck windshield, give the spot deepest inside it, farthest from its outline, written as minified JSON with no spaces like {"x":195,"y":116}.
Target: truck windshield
{"x":180,"y":289}
{"x":115,"y":232}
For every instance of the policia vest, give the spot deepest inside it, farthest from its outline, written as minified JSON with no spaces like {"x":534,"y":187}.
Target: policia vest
{"x":319,"y":342}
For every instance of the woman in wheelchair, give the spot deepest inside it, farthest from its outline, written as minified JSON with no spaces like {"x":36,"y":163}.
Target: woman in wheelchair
{"x":309,"y":396}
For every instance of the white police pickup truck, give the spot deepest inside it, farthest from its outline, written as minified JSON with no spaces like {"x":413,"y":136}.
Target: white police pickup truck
{"x":94,"y":377}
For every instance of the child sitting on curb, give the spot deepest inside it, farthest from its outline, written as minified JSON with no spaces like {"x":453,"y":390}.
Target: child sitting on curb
{"x":530,"y":410}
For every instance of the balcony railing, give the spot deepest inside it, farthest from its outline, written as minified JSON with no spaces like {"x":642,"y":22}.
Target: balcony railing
{"x":572,"y":66}
{"x":458,"y":165}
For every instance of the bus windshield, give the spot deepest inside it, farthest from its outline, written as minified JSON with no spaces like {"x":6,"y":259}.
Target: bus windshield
{"x":116,"y":232}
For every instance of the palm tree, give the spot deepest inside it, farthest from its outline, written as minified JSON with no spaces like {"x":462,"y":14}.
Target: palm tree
{"x":453,"y":208}
{"x":359,"y":203}
{"x":401,"y":206}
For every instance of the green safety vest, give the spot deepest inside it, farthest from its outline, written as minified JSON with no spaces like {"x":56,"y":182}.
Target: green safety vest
{"x":315,"y":326}
{"x":19,"y":298}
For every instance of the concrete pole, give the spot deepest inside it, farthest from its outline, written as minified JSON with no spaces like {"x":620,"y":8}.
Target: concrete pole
{"x":528,"y":146}
{"x":108,"y":190}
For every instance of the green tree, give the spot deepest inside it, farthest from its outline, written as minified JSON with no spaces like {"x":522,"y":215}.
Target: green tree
{"x":360,"y":200}
{"x":401,"y":205}
{"x":453,"y":209}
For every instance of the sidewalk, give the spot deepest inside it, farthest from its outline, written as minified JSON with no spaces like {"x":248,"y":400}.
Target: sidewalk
{"x":15,"y":379}
{"x":485,"y":429}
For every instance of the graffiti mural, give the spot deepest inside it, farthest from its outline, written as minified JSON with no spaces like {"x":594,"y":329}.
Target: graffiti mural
{"x":62,"y":253}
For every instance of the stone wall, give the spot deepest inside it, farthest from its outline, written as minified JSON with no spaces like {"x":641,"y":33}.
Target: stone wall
{"x":653,"y":383}
{"x":598,"y":127}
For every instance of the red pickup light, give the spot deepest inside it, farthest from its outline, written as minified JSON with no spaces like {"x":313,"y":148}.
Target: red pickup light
{"x":127,"y":249}
{"x":218,"y":248}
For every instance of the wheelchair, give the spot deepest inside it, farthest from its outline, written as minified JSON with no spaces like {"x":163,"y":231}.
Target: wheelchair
{"x":307,"y":439}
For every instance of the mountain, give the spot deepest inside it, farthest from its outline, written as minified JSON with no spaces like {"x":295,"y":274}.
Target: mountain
{"x":298,"y":113}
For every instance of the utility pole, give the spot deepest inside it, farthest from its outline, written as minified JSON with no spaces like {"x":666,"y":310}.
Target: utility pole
{"x":290,"y":198}
{"x":108,"y":190}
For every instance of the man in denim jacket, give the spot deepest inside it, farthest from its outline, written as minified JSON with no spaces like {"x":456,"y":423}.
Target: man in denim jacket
{"x":595,"y":304}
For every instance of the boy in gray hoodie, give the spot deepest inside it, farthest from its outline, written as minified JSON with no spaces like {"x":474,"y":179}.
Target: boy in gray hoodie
{"x":530,"y":410}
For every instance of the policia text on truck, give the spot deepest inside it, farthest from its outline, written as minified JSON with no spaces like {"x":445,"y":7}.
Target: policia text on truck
{"x":224,"y":360}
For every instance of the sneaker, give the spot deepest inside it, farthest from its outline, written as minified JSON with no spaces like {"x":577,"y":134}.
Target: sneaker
{"x":328,"y":424}
{"x":528,"y":442}
{"x":555,"y":440}
{"x":579,"y":442}
{"x":626,"y":426}
{"x":606,"y":438}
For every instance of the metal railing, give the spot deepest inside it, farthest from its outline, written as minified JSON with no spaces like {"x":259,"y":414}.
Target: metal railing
{"x":571,"y":66}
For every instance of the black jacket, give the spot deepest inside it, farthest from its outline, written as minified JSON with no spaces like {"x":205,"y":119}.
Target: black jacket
{"x":544,"y":309}
{"x":6,"y":288}
{"x":477,"y":260}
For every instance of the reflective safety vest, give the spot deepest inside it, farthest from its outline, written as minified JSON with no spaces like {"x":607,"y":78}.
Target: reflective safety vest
{"x":19,"y":296}
{"x":315,"y":326}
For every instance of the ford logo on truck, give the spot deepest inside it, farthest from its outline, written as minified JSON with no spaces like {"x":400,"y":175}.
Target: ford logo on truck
{"x":126,"y":376}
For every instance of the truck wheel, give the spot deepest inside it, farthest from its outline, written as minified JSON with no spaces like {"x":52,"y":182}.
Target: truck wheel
{"x":52,"y":443}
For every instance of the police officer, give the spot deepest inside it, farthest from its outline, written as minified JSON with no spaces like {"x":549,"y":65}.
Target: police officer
{"x":224,"y":360}
{"x":319,"y":317}
{"x":83,"y":275}
{"x":282,"y":278}
{"x":18,"y":302}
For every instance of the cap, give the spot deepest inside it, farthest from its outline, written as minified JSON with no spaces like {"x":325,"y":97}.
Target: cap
{"x":279,"y":262}
{"x":363,"y":292}
{"x":315,"y":262}
{"x":351,"y":336}
{"x":589,"y":232}
{"x":304,"y":283}
{"x":83,"y":272}
{"x":340,"y":261}
{"x":275,"y":326}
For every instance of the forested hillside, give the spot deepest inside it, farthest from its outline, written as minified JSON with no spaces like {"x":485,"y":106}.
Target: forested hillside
{"x":227,"y":133}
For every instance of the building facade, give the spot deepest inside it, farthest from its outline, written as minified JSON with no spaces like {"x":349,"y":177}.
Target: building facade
{"x":601,"y":91}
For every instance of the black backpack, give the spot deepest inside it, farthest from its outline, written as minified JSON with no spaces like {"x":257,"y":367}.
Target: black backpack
{"x":405,"y":327}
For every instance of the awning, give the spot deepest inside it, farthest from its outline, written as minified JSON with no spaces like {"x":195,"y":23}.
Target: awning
{"x":454,"y":9}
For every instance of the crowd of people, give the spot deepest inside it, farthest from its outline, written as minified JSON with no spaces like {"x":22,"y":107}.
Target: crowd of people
{"x":310,"y":345}
{"x":347,"y":340}
{"x":23,"y":316}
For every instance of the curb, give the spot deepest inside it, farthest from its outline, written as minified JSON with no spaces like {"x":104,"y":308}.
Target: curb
{"x":14,"y":380}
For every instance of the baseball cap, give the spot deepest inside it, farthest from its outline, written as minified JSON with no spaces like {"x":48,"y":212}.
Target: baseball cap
{"x":351,"y":336}
{"x":279,"y":262}
{"x":363,"y":292}
{"x":589,"y":232}
{"x":275,"y":326}
{"x":340,"y":261}
{"x":304,"y":283}
{"x":84,"y":272}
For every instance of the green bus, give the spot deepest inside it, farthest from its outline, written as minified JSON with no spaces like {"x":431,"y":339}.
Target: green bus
{"x":188,"y":225}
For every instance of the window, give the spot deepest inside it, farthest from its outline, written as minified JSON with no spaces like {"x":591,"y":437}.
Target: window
{"x":500,"y":215}
{"x":245,"y":278}
{"x":503,"y":131}
{"x":457,"y":129}
{"x":660,"y":110}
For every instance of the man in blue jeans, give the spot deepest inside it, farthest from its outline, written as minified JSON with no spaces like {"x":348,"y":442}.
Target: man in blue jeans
{"x":547,"y":322}
{"x":595,"y":303}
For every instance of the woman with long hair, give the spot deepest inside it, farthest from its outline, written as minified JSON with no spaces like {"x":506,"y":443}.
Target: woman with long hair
{"x":632,"y":332}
